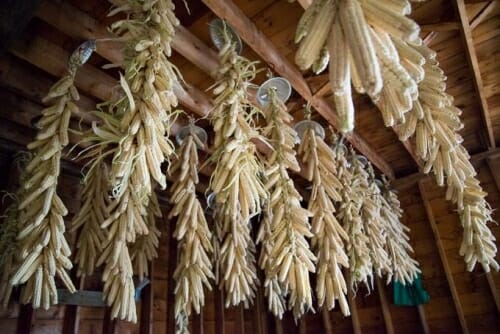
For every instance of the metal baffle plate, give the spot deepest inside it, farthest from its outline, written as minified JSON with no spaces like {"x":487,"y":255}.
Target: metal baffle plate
{"x":282,"y":87}
{"x":196,"y":130}
{"x":219,"y":29}
{"x":302,"y":126}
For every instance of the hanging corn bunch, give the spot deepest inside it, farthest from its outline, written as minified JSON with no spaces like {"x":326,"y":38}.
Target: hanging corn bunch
{"x":43,"y":248}
{"x":135,"y":132}
{"x":373,"y":225}
{"x":89,"y":218}
{"x":349,"y":213}
{"x":329,"y":238}
{"x":9,"y":229}
{"x":236,"y":183}
{"x":356,"y":38}
{"x":404,"y":268}
{"x":435,"y":123}
{"x":289,"y":260}
{"x":194,"y":267}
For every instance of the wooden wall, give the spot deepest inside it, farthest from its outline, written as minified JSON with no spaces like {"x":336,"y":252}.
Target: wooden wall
{"x":475,"y":295}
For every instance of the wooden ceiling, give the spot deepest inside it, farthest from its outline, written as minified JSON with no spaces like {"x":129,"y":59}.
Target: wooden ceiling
{"x":465,"y":36}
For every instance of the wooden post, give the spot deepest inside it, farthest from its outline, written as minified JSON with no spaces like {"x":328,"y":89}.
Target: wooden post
{"x":219,"y":311}
{"x":423,"y":319}
{"x":302,"y":325}
{"x":108,"y":324}
{"x":444,"y":259}
{"x":71,"y":324}
{"x":25,"y":319}
{"x":240,"y":319}
{"x":146,"y":320}
{"x":260,"y":313}
{"x":198,"y":322}
{"x":278,"y":326}
{"x":356,"y":326}
{"x":385,"y":307}
{"x":327,"y":324}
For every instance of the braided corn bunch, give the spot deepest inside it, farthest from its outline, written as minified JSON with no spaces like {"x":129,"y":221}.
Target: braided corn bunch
{"x":43,"y":248}
{"x":89,"y":218}
{"x":144,"y":250}
{"x":136,"y":132}
{"x":329,"y":238}
{"x":236,"y":183}
{"x":349,"y":213}
{"x":290,"y":258}
{"x":355,"y":37}
{"x":404,"y":268}
{"x":194,"y":267}
{"x":8,"y":250}
{"x":370,"y":212}
{"x":439,"y":145}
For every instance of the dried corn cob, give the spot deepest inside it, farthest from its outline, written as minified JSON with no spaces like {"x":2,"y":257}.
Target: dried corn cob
{"x":329,"y":238}
{"x":313,"y":43}
{"x":144,"y":250}
{"x":289,"y":259}
{"x":236,"y":183}
{"x":194,"y":267}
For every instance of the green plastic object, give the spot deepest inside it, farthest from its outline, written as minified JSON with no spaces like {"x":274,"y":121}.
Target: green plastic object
{"x":410,"y":294}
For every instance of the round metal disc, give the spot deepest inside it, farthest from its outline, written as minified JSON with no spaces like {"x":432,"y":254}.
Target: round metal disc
{"x":196,"y":130}
{"x":219,"y":29}
{"x":211,"y":201}
{"x":282,"y":87}
{"x":302,"y":126}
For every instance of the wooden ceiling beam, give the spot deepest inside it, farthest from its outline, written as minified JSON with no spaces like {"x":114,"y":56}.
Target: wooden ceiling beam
{"x":441,"y":26}
{"x":471,"y":56}
{"x":268,"y":52}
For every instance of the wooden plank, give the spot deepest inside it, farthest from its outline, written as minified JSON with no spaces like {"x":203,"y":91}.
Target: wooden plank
{"x":172,"y":264}
{"x":260,"y":313}
{"x":389,"y":326}
{"x":229,"y":11}
{"x":471,"y":56}
{"x":25,"y":319}
{"x":444,"y":259}
{"x":278,"y":326}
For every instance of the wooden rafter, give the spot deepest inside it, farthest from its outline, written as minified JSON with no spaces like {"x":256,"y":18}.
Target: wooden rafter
{"x":386,"y":312}
{"x":483,"y":14}
{"x":229,"y":11}
{"x":444,"y":259}
{"x":471,"y":56}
